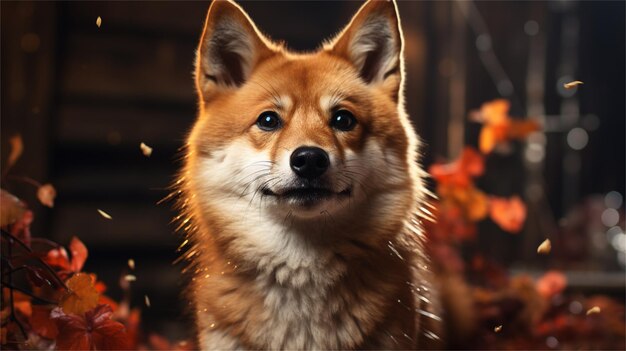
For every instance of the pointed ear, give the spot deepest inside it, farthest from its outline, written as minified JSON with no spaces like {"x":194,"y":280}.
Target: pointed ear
{"x":230,"y":48}
{"x":372,"y":42}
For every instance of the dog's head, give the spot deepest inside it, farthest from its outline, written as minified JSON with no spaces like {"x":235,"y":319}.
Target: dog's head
{"x":302,"y":135}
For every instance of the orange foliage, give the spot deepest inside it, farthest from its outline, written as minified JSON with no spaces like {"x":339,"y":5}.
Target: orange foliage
{"x":551,"y":283}
{"x":81,"y":296}
{"x":93,"y":330}
{"x":509,"y":214}
{"x":498,"y":127}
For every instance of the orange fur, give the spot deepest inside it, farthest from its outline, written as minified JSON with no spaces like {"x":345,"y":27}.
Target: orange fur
{"x":348,"y":272}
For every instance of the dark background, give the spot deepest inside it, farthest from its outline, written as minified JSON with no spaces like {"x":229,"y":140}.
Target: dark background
{"x":84,"y":97}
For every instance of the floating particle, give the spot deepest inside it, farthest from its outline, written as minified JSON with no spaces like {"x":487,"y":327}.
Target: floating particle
{"x":130,"y":278}
{"x":593,"y":310}
{"x":572,"y":85}
{"x":98,"y":21}
{"x":46,"y":194}
{"x":131,"y":263}
{"x":104,"y":214}
{"x":497,"y":329}
{"x":146,"y":299}
{"x":545,"y":247}
{"x":145,"y":149}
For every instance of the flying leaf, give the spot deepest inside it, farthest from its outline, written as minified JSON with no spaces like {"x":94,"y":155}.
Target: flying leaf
{"x":545,"y":247}
{"x":82,"y":295}
{"x":93,"y":330}
{"x":99,"y":21}
{"x":11,"y":208}
{"x":46,"y":194}
{"x":593,"y":310}
{"x":145,"y":149}
{"x":17,"y":147}
{"x":572,"y":85}
{"x":508,"y":214}
{"x":104,"y":214}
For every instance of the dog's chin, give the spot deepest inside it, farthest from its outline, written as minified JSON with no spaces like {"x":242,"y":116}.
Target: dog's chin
{"x":308,"y":202}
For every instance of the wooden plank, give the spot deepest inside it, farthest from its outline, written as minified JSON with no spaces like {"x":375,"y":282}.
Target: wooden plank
{"x":128,"y":67}
{"x":133,"y":224}
{"x":123,"y":125}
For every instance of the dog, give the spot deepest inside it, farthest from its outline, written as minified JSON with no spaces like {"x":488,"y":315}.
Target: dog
{"x":301,"y":191}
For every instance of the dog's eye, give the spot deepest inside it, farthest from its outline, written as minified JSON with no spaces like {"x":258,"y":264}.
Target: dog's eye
{"x":343,"y":120}
{"x":268,"y":121}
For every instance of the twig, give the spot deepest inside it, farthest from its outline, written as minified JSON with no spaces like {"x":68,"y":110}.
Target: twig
{"x":38,"y":259}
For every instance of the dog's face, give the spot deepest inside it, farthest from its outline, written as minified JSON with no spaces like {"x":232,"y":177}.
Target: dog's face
{"x":307,"y":135}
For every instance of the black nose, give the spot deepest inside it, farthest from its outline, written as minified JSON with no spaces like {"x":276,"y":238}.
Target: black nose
{"x":309,"y":162}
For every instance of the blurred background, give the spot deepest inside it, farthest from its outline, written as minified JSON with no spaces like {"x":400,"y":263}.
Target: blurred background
{"x":83,"y":97}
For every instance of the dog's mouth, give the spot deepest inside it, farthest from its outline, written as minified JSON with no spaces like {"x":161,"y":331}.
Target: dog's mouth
{"x":307,"y":196}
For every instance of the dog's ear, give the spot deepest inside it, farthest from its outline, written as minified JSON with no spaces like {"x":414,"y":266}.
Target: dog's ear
{"x":230,"y":48}
{"x":372,"y":42}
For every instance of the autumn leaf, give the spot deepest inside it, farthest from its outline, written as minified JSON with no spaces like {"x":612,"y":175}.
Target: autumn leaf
{"x":551,"y":283}
{"x":93,"y":330}
{"x":81,"y":296}
{"x":42,"y":323}
{"x":46,"y":194}
{"x":460,"y":172}
{"x":58,"y":258}
{"x":508,"y":214}
{"x":79,"y":254}
{"x":499,"y":127}
{"x":11,"y":208}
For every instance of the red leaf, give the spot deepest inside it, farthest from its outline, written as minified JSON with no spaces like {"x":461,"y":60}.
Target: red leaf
{"x":92,"y":331}
{"x":42,"y":323}
{"x":461,"y":171}
{"x":58,"y":258}
{"x":79,"y":254}
{"x":551,"y":283}
{"x":509,"y":214}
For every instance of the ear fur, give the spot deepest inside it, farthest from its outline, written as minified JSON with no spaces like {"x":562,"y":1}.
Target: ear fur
{"x":230,"y":47}
{"x":372,"y":42}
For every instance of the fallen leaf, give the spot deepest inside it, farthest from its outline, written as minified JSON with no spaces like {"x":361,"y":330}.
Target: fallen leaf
{"x":11,"y":208}
{"x":130,"y":278}
{"x":593,"y":310}
{"x":104,"y":214}
{"x":81,"y":296}
{"x":98,"y":21}
{"x":497,"y":329}
{"x":93,"y":330}
{"x":17,"y":147}
{"x":508,"y":214}
{"x":46,"y":194}
{"x":572,"y":85}
{"x":545,"y":247}
{"x":145,"y":149}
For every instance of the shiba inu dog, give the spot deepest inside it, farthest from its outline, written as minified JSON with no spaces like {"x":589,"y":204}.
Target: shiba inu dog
{"x":301,"y":191}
